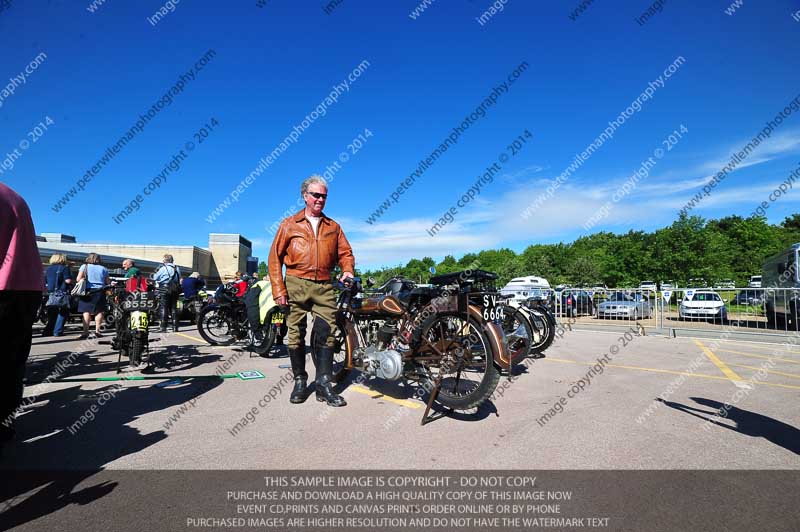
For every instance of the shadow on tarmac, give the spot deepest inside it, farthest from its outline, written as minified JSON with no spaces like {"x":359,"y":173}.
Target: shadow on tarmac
{"x":61,"y":443}
{"x":407,"y":390}
{"x":745,"y":422}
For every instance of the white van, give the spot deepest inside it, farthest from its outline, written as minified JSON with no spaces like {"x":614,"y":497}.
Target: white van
{"x":522,"y":288}
{"x":781,"y":281}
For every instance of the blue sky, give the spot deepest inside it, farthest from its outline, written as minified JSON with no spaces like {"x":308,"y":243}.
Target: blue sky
{"x":275,"y":64}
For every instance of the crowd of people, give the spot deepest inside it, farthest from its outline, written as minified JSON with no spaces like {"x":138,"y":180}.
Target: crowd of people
{"x":59,"y":283}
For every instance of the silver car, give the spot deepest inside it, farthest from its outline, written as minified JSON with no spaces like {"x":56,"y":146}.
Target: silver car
{"x":622,"y":305}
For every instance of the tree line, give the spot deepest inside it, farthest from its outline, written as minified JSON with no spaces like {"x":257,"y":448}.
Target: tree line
{"x":691,"y":248}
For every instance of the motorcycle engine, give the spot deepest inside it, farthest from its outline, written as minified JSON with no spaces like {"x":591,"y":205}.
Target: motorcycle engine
{"x":385,"y":364}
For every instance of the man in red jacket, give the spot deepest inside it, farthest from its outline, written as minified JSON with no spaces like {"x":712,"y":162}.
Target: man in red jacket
{"x":309,"y":245}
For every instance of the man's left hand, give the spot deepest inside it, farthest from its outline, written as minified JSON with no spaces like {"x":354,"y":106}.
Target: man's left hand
{"x":345,"y":275}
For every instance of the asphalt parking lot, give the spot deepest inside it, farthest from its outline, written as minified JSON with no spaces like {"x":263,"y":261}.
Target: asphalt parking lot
{"x":658,"y":403}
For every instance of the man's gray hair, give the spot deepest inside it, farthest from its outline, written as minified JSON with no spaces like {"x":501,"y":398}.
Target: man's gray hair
{"x":314,"y":179}
{"x":129,"y":260}
{"x":168,"y":258}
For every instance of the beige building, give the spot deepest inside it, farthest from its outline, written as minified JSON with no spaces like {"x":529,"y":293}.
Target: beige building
{"x":226,"y":254}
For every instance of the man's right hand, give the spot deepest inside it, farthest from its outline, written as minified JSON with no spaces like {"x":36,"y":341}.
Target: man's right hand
{"x":282,"y":301}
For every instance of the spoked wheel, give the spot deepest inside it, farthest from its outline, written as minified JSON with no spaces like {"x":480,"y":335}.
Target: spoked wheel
{"x":469,"y":376}
{"x":215,"y":327}
{"x":519,"y":332}
{"x":262,"y":339}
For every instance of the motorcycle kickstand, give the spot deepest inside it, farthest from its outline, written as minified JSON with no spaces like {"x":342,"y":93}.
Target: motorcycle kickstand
{"x":434,"y":394}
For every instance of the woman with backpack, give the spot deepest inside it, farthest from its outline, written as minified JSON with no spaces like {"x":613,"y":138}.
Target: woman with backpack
{"x":93,"y":300}
{"x":168,"y":285}
{"x":58,"y":279}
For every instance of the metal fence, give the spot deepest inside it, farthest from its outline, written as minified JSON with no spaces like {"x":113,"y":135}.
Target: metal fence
{"x":765,"y":310}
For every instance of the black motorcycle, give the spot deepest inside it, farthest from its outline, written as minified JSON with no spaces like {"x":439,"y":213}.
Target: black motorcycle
{"x":225,"y":321}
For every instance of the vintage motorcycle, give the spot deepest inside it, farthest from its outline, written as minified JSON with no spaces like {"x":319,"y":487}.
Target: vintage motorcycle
{"x":132,"y":303}
{"x":225,"y":321}
{"x":438,"y":336}
{"x":517,"y":325}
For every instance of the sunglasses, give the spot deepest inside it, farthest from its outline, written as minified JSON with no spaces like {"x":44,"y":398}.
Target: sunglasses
{"x":318,"y":195}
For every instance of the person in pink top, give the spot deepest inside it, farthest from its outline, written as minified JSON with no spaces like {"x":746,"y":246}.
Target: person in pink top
{"x":21,"y":285}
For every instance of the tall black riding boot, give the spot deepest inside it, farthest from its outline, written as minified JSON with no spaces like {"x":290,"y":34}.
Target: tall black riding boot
{"x":297,"y":356}
{"x":324,"y":384}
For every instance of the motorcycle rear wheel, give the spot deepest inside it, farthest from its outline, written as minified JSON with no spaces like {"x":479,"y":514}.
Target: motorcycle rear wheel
{"x":449,"y":331}
{"x":215,"y":327}
{"x":138,"y":345}
{"x":266,"y":339}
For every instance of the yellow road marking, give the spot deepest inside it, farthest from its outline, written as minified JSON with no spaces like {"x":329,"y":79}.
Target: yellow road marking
{"x":375,"y":395}
{"x":719,"y":363}
{"x":774,"y":347}
{"x":768,"y":371}
{"x":669,"y":371}
{"x":196,"y":339}
{"x":654,"y":370}
{"x":759,"y":356}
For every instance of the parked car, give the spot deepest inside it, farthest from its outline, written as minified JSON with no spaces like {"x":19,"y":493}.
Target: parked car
{"x":697,"y":282}
{"x":622,"y":305}
{"x":755,"y":281}
{"x":575,"y":302}
{"x":668,"y":285}
{"x":703,"y":304}
{"x":753,"y":298}
{"x":726,"y":284}
{"x":648,"y":285}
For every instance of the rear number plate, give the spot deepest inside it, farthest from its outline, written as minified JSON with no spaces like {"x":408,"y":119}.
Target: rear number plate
{"x":490,"y":310}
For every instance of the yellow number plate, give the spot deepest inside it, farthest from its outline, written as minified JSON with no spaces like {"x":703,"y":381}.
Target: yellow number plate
{"x":277,"y":318}
{"x":139,"y":321}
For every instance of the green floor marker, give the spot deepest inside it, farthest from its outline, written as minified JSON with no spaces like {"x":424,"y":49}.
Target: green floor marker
{"x":252,"y":374}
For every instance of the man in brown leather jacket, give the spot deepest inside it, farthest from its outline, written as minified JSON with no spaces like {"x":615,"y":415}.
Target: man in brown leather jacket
{"x":309,"y":245}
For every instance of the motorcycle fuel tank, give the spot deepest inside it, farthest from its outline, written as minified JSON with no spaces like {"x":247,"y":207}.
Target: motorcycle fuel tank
{"x":380,"y":306}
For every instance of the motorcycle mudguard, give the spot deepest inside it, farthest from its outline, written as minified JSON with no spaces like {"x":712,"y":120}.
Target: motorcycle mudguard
{"x":549,"y":315}
{"x":350,"y":337}
{"x":497,"y":340}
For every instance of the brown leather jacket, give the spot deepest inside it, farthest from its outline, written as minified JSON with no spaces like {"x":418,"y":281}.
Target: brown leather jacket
{"x":306,"y":256}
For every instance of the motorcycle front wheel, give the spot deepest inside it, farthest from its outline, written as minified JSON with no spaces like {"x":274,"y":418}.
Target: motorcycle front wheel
{"x":469,"y":376}
{"x":215,"y":326}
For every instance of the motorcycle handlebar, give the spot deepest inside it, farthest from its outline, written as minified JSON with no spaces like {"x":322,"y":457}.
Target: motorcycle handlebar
{"x":347,"y":284}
